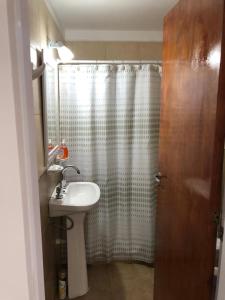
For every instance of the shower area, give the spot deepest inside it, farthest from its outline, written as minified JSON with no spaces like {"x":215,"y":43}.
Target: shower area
{"x":109,"y":117}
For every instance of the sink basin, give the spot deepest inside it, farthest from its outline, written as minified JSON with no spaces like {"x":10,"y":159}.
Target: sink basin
{"x":77,"y":197}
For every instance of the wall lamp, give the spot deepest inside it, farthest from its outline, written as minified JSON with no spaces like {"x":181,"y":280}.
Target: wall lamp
{"x":65,"y":54}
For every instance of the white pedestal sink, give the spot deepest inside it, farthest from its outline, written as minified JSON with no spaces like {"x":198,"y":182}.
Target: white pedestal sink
{"x":79,"y":197}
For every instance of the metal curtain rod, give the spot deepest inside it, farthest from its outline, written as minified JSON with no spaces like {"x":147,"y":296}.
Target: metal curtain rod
{"x":116,"y":62}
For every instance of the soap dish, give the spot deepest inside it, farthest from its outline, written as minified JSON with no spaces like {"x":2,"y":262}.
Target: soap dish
{"x":55,"y":168}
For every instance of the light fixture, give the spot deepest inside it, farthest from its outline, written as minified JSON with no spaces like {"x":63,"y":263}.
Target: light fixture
{"x":65,"y":54}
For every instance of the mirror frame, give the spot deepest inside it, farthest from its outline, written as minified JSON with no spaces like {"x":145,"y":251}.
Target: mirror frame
{"x":50,"y":155}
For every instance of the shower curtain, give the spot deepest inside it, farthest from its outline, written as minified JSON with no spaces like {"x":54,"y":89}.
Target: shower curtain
{"x":109,"y":117}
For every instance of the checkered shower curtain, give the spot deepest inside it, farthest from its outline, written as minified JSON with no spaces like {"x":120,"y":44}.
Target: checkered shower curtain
{"x":109,"y":117}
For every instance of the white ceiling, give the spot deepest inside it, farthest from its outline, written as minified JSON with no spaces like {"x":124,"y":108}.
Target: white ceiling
{"x":84,"y":19}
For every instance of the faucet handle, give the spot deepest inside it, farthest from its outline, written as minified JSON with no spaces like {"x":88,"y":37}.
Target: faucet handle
{"x":63,"y":183}
{"x":58,"y":192}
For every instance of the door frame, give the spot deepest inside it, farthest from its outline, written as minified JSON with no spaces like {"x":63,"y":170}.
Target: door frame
{"x":220,"y":289}
{"x":221,"y":280}
{"x":21,"y":254}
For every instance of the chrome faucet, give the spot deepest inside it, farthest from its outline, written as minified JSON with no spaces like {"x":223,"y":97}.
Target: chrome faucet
{"x":62,"y":184}
{"x":70,"y":166}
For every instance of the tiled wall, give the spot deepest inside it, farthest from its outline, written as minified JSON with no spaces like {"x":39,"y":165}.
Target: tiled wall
{"x":117,"y":50}
{"x":43,"y":27}
{"x":49,"y":234}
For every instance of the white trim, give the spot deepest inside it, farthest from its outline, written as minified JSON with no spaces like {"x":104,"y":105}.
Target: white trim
{"x":55,"y":18}
{"x":113,"y":35}
{"x":21,"y":253}
{"x":26,"y":135}
{"x":220,"y":290}
{"x":220,"y":285}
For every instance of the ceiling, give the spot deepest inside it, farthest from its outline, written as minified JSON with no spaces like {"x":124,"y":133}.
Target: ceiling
{"x":112,"y":18}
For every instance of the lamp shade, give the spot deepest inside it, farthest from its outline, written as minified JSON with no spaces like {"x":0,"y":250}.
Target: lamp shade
{"x":65,"y":54}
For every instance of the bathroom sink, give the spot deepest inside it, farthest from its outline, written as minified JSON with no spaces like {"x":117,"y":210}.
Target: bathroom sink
{"x":77,"y":197}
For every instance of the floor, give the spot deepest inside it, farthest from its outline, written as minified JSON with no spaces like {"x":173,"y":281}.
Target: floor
{"x":120,"y":281}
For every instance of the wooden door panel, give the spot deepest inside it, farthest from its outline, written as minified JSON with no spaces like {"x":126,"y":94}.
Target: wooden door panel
{"x":191,"y":144}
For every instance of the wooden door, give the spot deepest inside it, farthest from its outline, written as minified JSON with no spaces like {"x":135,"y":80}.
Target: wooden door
{"x":191,"y":150}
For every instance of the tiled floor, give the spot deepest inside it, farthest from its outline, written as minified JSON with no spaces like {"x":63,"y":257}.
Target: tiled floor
{"x":120,"y":281}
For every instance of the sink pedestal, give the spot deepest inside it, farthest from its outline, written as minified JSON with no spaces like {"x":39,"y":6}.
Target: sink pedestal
{"x":76,"y":255}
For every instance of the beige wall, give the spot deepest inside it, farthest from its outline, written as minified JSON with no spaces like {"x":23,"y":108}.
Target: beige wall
{"x":42,"y":28}
{"x":117,"y":50}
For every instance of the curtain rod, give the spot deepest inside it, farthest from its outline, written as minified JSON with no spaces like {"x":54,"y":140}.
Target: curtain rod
{"x":88,"y":62}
